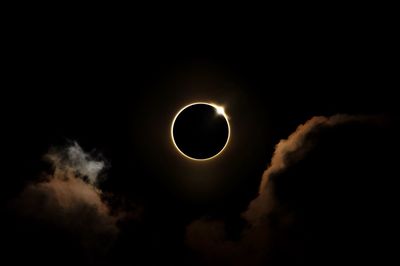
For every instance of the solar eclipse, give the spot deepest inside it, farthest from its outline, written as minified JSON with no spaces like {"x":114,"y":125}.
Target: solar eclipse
{"x":200,"y":131}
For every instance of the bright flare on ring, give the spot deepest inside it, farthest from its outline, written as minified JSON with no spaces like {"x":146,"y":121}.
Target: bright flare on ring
{"x":220,"y":110}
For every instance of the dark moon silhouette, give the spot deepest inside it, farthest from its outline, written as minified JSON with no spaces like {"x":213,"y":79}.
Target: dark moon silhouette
{"x":200,"y":132}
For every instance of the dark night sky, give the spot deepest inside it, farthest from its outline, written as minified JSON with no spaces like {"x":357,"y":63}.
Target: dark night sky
{"x":115,"y":92}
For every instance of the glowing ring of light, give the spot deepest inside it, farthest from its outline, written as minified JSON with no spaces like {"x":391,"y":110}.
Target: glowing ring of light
{"x":219,"y":110}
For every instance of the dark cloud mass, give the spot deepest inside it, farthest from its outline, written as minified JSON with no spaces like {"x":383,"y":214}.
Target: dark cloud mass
{"x":314,"y":201}
{"x":67,"y":200}
{"x":322,"y":199}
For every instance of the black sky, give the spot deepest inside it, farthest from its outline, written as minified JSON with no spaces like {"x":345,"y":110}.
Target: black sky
{"x":115,"y":90}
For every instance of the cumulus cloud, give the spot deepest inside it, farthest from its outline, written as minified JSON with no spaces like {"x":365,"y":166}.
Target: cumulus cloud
{"x":265,"y":216}
{"x":67,"y":198}
{"x":72,"y":161}
{"x":298,"y":143}
{"x":291,"y":150}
